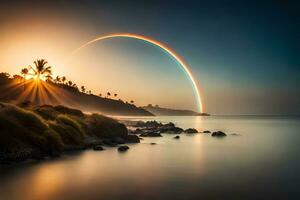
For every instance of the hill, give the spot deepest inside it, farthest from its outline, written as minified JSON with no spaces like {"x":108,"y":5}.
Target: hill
{"x":16,"y":91}
{"x":172,"y":112}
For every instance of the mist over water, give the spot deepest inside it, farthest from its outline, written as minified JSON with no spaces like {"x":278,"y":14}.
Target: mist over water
{"x":262,"y":162}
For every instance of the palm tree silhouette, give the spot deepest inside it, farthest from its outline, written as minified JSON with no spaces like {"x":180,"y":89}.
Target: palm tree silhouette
{"x":63,"y":79}
{"x":49,"y":78}
{"x":41,"y":69}
{"x":57,"y":79}
{"x":24,"y":72}
{"x":82,"y":89}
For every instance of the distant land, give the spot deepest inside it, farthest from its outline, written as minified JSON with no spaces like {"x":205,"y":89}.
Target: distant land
{"x":156,"y":110}
{"x":12,"y":91}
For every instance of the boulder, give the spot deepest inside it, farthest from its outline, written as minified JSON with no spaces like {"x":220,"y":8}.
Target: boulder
{"x":206,"y":131}
{"x":137,"y":131}
{"x":175,"y":130}
{"x":191,"y":130}
{"x":123,"y":148}
{"x":109,"y":142}
{"x":118,"y":140}
{"x":132,"y":139}
{"x":218,"y":134}
{"x":177,"y":137}
{"x":151,"y":134}
{"x":98,"y":148}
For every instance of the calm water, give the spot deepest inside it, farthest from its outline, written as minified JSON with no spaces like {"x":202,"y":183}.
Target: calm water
{"x":262,"y":163}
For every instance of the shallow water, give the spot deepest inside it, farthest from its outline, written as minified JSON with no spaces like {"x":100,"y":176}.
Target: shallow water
{"x":262,"y":163}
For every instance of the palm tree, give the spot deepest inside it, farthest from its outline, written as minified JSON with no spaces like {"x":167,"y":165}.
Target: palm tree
{"x":49,"y":78}
{"x":82,"y":89}
{"x":24,"y":72}
{"x":41,"y":69}
{"x":115,"y":95}
{"x":63,"y":79}
{"x":108,"y":94}
{"x":57,"y":79}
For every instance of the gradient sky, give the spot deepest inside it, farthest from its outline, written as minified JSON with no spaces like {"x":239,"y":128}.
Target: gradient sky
{"x":244,"y":54}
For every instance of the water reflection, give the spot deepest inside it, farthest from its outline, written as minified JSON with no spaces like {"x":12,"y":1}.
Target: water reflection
{"x":259,"y":163}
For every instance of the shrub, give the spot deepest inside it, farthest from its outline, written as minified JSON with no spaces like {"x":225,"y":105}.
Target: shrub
{"x":105,"y":127}
{"x":69,"y":111}
{"x":22,"y":128}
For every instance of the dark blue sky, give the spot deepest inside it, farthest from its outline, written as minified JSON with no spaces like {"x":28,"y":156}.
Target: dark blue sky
{"x":245,"y":54}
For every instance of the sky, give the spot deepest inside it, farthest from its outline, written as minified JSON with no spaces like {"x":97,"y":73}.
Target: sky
{"x":244,"y":54}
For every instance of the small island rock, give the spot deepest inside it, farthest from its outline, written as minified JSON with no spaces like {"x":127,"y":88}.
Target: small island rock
{"x":206,"y":131}
{"x":218,"y":134}
{"x":123,"y":148}
{"x":98,"y":148}
{"x":177,"y":137}
{"x":191,"y":130}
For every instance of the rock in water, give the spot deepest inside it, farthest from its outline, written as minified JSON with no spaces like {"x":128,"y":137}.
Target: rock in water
{"x":151,"y":134}
{"x":218,"y":134}
{"x":118,"y":140}
{"x":177,"y":137}
{"x":153,"y":143}
{"x":123,"y":148}
{"x":98,"y":148}
{"x":132,"y":139}
{"x":191,"y":130}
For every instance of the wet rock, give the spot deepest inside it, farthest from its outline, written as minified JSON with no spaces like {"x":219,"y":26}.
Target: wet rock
{"x":177,"y":137}
{"x":218,"y":134}
{"x":191,"y":130}
{"x":98,"y":148}
{"x":109,"y":142}
{"x":151,"y":134}
{"x":118,"y":140}
{"x":123,"y":148}
{"x":174,"y":130}
{"x":206,"y":131}
{"x":132,"y":139}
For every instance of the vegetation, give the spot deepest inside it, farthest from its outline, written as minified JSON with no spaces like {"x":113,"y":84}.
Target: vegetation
{"x":49,"y":130}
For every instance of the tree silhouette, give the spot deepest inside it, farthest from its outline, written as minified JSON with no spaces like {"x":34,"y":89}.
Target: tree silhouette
{"x":70,"y":83}
{"x":49,"y":78}
{"x":90,"y":92}
{"x":63,"y":79}
{"x":108,"y":94}
{"x":41,"y":69}
{"x":57,"y":79}
{"x":100,"y":95}
{"x":82,"y":89}
{"x":115,"y":95}
{"x":131,"y":101}
{"x":24,"y":72}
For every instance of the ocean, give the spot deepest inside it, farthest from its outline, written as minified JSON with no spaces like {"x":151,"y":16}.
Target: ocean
{"x":258,"y":159}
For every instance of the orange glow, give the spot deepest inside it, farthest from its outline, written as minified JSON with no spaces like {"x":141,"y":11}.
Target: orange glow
{"x":165,"y":48}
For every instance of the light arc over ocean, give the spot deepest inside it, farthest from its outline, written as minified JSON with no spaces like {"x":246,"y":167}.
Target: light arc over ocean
{"x":171,"y":52}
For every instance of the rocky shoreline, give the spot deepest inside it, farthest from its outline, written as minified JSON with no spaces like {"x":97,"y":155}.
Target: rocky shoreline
{"x":43,"y":132}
